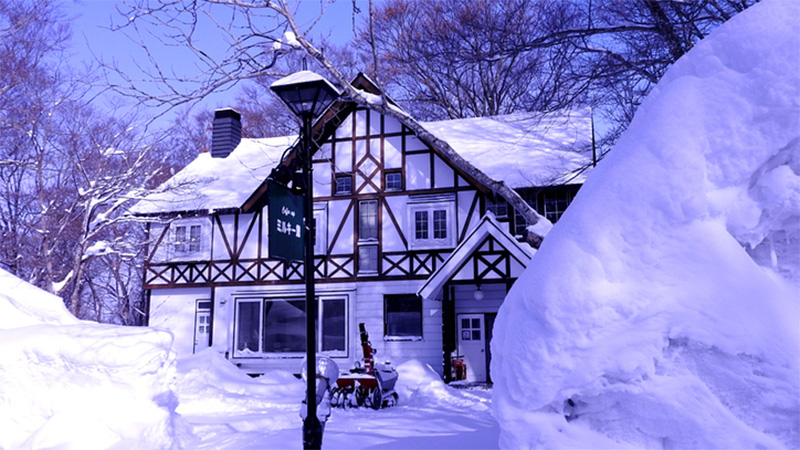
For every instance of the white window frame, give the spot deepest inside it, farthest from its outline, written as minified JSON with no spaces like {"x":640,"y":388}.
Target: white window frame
{"x":261,"y":353}
{"x":186,"y":253}
{"x":429,"y":208}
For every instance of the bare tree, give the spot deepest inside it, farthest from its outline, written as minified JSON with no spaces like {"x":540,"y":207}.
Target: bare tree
{"x":68,"y":171}
{"x":258,"y":34}
{"x":458,"y":58}
{"x":464,"y":58}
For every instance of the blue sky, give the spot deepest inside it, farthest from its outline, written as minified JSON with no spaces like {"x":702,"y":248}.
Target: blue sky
{"x":93,"y":39}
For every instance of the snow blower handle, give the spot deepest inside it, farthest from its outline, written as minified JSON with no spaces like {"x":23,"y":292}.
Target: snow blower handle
{"x":366,"y":347}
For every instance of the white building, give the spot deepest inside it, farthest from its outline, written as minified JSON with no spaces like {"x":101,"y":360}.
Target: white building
{"x":407,"y":241}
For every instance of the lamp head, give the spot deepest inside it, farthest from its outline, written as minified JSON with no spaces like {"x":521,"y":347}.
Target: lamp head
{"x":305,"y":93}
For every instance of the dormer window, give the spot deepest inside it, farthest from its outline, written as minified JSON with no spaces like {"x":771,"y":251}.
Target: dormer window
{"x":344,"y":184}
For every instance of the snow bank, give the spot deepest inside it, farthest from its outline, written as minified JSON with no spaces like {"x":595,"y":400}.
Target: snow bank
{"x":662,"y":310}
{"x":71,"y":384}
{"x":208,"y":383}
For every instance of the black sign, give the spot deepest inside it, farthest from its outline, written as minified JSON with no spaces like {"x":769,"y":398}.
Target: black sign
{"x":286,"y":228}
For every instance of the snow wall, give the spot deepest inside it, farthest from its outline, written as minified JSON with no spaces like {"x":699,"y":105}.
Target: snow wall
{"x":66,"y":383}
{"x":662,"y":310}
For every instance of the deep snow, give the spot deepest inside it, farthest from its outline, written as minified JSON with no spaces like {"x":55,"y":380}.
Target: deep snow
{"x":662,"y":310}
{"x":69,"y":384}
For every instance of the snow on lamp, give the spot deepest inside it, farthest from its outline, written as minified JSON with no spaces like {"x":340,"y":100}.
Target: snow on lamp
{"x":305,"y":93}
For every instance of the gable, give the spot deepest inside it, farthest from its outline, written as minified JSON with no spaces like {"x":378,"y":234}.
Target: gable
{"x":380,"y":155}
{"x":487,"y":253}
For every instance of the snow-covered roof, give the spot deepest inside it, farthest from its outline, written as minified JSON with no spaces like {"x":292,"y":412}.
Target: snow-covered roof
{"x":209,"y":184}
{"x":526,"y":149}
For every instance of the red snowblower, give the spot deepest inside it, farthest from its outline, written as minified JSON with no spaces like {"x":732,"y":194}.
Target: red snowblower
{"x":367,"y":384}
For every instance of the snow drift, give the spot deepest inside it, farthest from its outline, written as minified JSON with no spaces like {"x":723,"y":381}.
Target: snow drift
{"x":662,"y":310}
{"x":65,"y":383}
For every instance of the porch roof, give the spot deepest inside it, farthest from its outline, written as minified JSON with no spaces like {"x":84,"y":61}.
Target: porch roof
{"x":488,"y":226}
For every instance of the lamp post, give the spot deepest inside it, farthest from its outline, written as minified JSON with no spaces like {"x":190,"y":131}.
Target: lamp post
{"x":308,"y":95}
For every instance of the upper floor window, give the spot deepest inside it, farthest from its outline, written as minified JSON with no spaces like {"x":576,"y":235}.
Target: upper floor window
{"x":368,"y":220}
{"x":394,"y":181}
{"x":368,"y":236}
{"x":320,"y":230}
{"x":344,"y":184}
{"x":432,"y":224}
{"x":520,"y":224}
{"x":555,"y":205}
{"x":187,"y":238}
{"x":499,"y":208}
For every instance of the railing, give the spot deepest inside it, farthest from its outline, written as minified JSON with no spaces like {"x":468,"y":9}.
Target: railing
{"x":394,"y":265}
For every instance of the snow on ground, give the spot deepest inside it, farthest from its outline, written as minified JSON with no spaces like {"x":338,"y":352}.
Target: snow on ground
{"x":663,"y":309}
{"x":229,"y":410}
{"x":70,"y":384}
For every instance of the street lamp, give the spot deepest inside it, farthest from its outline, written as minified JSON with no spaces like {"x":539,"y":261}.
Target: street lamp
{"x":308,"y":95}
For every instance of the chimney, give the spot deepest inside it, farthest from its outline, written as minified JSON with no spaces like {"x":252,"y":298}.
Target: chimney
{"x":226,"y":132}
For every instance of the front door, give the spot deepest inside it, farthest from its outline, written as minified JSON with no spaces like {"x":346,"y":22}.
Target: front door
{"x":472,"y":345}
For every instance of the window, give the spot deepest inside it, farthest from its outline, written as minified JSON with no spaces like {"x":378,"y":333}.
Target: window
{"x":334,"y":325}
{"x":368,"y":236}
{"x":248,"y":327}
{"x":499,"y":208}
{"x":520,"y":224}
{"x":402,"y":316}
{"x":394,"y":181}
{"x":421,"y":225}
{"x":555,"y":204}
{"x":432,"y":225}
{"x":187,"y":238}
{"x":470,"y":329}
{"x":278,"y":326}
{"x":440,"y":224}
{"x":321,"y":230}
{"x":367,"y":258}
{"x":344,"y":184}
{"x":284,"y":326}
{"x":368,"y":220}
